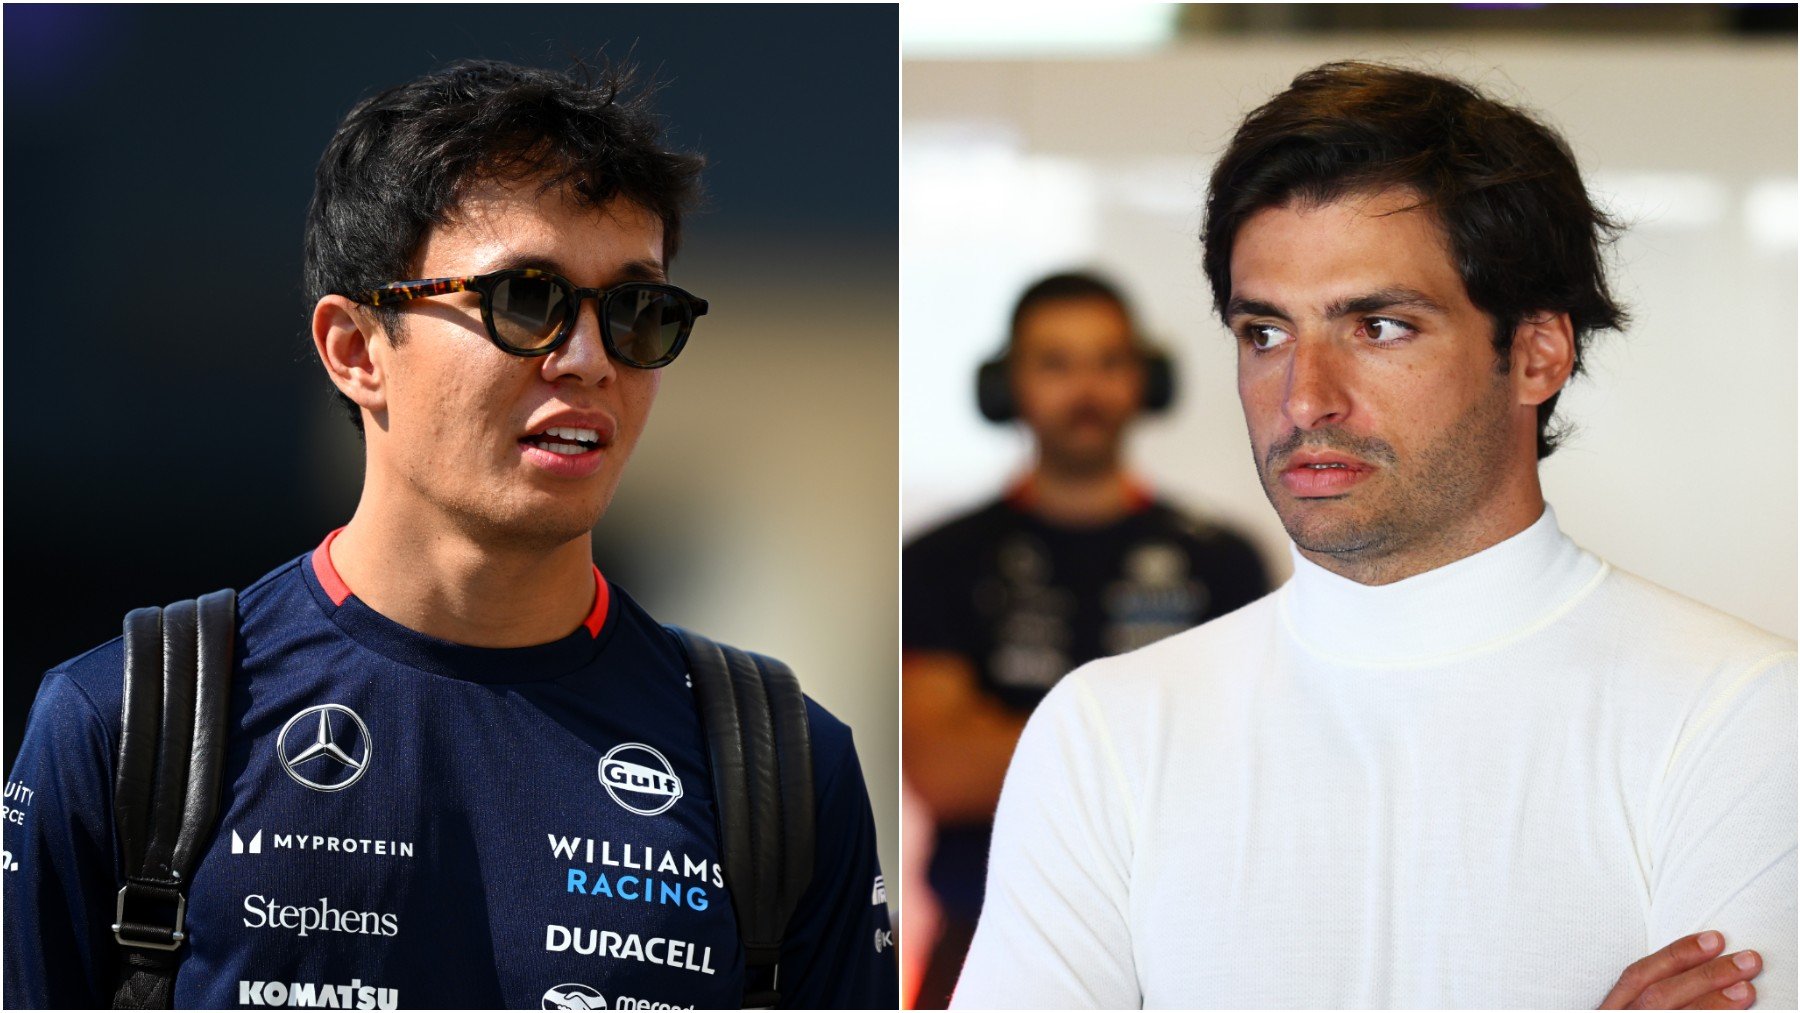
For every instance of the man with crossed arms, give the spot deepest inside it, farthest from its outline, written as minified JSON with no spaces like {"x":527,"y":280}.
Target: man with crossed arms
{"x":1456,"y":760}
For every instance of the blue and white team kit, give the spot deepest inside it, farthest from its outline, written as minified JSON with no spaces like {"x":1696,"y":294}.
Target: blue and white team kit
{"x":407,"y":822}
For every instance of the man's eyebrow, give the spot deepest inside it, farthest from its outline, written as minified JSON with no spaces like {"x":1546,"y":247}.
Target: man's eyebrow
{"x":1383,"y":299}
{"x":643,"y":270}
{"x":1368,"y":302}
{"x":1240,"y":307}
{"x":632,"y":270}
{"x":522,"y":261}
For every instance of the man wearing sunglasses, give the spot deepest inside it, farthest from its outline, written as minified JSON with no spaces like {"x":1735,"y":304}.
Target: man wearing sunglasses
{"x":462,"y":769}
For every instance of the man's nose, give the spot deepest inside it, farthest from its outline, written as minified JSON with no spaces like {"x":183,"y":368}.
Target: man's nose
{"x":1316,"y":396}
{"x":583,"y":357}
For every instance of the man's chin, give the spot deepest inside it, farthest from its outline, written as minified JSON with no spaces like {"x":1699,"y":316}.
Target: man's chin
{"x":541,"y":526}
{"x":559,"y":527}
{"x":1082,"y":456}
{"x":1326,"y":526}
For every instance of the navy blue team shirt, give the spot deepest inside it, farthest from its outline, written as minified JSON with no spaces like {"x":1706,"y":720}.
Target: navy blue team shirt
{"x":407,"y":822}
{"x":1026,"y":600}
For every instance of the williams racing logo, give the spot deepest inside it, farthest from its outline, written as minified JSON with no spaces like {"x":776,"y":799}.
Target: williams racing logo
{"x":640,"y":779}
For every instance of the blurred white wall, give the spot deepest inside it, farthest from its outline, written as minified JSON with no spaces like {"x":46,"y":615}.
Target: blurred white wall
{"x":1682,"y":465}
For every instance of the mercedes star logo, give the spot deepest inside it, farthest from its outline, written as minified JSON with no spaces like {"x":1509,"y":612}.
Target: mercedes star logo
{"x":324,"y":763}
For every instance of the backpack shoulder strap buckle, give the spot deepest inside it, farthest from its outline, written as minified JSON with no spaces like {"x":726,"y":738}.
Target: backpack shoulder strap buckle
{"x":156,"y":919}
{"x":174,"y":720}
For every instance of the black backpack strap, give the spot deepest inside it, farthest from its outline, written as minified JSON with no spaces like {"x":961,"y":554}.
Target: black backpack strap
{"x":761,"y":751}
{"x":166,"y":789}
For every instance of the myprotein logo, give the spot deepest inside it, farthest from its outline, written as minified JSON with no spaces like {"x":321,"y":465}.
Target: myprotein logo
{"x":325,"y":747}
{"x":307,"y":995}
{"x":640,"y":779}
{"x":574,"y":997}
{"x":380,"y":847}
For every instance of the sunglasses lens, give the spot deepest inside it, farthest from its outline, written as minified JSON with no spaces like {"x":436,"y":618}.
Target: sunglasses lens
{"x":527,"y":312}
{"x":647,"y":325}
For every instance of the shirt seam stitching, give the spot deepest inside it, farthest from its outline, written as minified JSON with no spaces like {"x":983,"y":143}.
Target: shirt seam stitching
{"x":1659,"y":788}
{"x":1718,"y":702}
{"x":1091,"y":705}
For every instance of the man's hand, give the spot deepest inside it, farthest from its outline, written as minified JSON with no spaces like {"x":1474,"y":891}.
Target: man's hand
{"x":1689,"y":973}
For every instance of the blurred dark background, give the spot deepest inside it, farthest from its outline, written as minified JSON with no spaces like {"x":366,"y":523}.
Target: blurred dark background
{"x":168,"y":431}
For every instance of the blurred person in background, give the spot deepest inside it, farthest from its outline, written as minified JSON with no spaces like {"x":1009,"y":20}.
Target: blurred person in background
{"x":1076,"y":561}
{"x":1457,"y":760}
{"x":410,"y":811}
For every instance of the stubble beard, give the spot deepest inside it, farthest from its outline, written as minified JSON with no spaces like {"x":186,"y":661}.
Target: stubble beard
{"x":1076,"y":463}
{"x":1424,"y":509}
{"x":1062,"y":452}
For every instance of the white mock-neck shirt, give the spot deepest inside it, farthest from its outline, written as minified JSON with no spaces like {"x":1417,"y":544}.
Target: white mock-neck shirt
{"x":1493,"y":784}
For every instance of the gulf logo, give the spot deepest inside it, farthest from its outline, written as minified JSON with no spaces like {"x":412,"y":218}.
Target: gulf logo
{"x":640,"y":778}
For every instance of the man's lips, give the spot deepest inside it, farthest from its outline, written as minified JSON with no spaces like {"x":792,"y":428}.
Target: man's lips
{"x":599,"y":426}
{"x":571,"y":444}
{"x":1309,"y":473}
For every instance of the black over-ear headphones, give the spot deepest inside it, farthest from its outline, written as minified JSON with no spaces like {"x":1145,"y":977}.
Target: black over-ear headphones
{"x":993,"y":385}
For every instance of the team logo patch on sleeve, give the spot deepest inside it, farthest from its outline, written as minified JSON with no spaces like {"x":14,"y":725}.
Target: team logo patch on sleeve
{"x":640,"y":778}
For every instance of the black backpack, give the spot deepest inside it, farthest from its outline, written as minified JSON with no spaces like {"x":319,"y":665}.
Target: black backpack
{"x":172,"y":749}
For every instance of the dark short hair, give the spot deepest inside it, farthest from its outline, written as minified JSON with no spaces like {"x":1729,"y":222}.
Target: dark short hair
{"x":1522,"y":229}
{"x":401,"y":162}
{"x":1060,"y":287}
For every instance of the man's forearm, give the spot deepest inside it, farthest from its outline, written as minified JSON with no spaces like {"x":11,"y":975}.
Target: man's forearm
{"x":957,"y":740}
{"x":958,"y":768}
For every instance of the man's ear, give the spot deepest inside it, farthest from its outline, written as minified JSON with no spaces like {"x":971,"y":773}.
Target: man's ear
{"x":344,"y":335}
{"x":1543,"y":356}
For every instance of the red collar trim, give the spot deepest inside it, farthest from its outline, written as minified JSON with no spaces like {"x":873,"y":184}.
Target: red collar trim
{"x":339,"y":592}
{"x":602,"y":600}
{"x":1022,"y":494}
{"x":334,"y":585}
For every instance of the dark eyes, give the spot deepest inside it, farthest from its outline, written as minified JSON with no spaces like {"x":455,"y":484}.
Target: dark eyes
{"x":1384,"y":330}
{"x":1376,"y":330}
{"x":1262,"y":337}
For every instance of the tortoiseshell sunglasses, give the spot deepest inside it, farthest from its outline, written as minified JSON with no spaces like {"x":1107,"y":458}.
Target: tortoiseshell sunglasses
{"x":530,"y":312}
